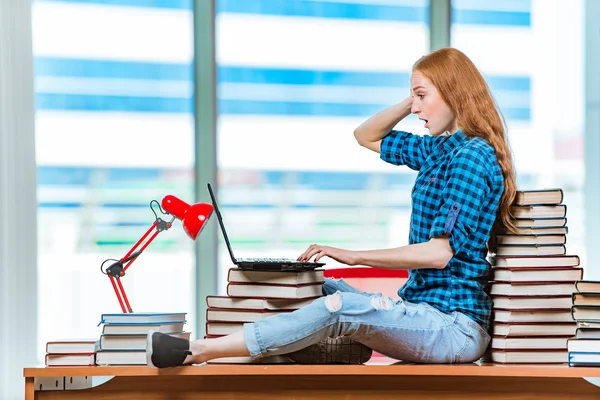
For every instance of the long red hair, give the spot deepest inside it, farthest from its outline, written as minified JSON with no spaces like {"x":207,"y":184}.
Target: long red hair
{"x":465,"y":91}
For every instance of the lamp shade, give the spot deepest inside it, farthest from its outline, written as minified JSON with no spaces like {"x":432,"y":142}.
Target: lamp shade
{"x":192,"y":216}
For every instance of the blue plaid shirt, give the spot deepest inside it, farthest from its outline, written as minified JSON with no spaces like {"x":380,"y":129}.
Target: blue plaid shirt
{"x":456,"y":194}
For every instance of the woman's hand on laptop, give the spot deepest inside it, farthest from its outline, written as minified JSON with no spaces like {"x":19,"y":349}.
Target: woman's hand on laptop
{"x":347,"y":257}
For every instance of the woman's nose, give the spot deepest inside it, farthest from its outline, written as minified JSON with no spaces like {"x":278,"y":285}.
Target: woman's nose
{"x":414,"y":108}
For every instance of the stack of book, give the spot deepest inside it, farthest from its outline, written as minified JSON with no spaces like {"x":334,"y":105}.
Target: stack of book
{"x":123,"y":338}
{"x":254,"y":295}
{"x":584,"y":348}
{"x":533,"y":280}
{"x":70,"y":352}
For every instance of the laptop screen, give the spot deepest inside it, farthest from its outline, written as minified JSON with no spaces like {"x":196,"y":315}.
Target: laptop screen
{"x":220,"y":218}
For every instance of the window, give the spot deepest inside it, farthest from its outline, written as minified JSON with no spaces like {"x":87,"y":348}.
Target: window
{"x":532,"y":57}
{"x":295,"y":78}
{"x":114,"y":128}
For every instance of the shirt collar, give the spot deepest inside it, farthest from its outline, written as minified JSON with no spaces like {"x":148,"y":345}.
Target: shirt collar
{"x":455,"y":140}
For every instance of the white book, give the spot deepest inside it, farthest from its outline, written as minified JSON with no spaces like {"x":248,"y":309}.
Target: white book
{"x":131,"y":342}
{"x":69,"y":359}
{"x":504,"y":343}
{"x":530,"y":357}
{"x":584,"y":345}
{"x":532,"y":302}
{"x":141,"y":328}
{"x":500,"y":329}
{"x":274,"y":291}
{"x":524,"y":289}
{"x":257,"y":304}
{"x":238,"y":315}
{"x":521,"y":316}
{"x":537,"y":274}
{"x":121,"y":357}
{"x":535,"y":261}
{"x":71,"y":346}
{"x":222,"y":328}
{"x":530,"y":250}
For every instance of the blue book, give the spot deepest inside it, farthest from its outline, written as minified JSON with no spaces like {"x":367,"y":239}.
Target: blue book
{"x":135,"y":318}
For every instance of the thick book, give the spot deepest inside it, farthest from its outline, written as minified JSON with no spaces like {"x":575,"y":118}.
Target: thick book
{"x":532,"y":302}
{"x":71,"y":346}
{"x":533,"y":212}
{"x":240,"y":303}
{"x":248,"y":360}
{"x":530,"y":329}
{"x":141,"y":328}
{"x":535,"y":261}
{"x":274,"y":291}
{"x":539,"y":222}
{"x":584,"y":359}
{"x":67,"y":360}
{"x":223,"y":315}
{"x":524,"y":289}
{"x":276,"y":277}
{"x":586,"y":313}
{"x":530,"y":356}
{"x":538,"y":196}
{"x":559,"y":230}
{"x":132,"y":318}
{"x":584,"y":345}
{"x":587,"y":333}
{"x":121,"y":357}
{"x":537,"y":274}
{"x":587,"y":286}
{"x":532,"y":240}
{"x":223,"y":328}
{"x":586,"y":299}
{"x":131,"y":342}
{"x":530,"y":250}
{"x":532,"y":316}
{"x":545,"y":343}
{"x":587,"y":324}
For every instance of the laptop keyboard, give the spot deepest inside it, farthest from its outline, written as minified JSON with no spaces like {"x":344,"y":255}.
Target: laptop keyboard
{"x":266,"y":260}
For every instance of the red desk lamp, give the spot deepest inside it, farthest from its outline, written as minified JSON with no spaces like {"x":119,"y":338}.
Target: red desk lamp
{"x":193,"y":218}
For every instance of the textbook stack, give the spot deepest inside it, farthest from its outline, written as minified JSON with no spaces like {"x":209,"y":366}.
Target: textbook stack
{"x":533,"y":282}
{"x":254,"y":295}
{"x":70,"y":352}
{"x":123,"y":338}
{"x":584,"y":348}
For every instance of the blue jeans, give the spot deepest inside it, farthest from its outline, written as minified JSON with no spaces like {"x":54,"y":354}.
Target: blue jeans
{"x":401,"y":330}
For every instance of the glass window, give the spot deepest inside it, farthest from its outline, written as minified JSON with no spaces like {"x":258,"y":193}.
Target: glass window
{"x":114,"y":130}
{"x":531,"y":54}
{"x":295,"y":78}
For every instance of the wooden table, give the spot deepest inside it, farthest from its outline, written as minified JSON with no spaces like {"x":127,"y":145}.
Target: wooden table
{"x":261,"y":382}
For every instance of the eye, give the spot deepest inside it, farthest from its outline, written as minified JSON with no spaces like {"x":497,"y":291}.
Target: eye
{"x":420,"y":96}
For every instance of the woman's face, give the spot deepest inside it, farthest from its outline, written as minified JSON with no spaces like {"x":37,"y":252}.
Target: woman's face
{"x":429,"y":106}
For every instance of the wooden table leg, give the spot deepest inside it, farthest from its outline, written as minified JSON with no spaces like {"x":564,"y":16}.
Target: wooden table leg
{"x":29,"y":389}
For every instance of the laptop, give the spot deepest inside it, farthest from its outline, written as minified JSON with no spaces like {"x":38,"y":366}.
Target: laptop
{"x":263,"y":264}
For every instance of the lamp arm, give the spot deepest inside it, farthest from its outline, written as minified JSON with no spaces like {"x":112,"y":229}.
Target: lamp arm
{"x":117,"y":269}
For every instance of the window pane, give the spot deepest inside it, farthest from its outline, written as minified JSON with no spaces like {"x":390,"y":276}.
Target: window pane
{"x":114,"y":130}
{"x":295,"y":78}
{"x":532,"y":57}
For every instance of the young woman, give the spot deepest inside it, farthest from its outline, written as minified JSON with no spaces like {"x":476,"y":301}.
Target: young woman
{"x":461,"y":195}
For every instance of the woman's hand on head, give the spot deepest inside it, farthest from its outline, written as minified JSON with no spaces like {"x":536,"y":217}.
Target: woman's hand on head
{"x":347,"y":257}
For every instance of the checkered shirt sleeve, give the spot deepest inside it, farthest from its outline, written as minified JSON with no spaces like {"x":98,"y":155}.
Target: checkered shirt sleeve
{"x":462,"y":198}
{"x":405,"y":148}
